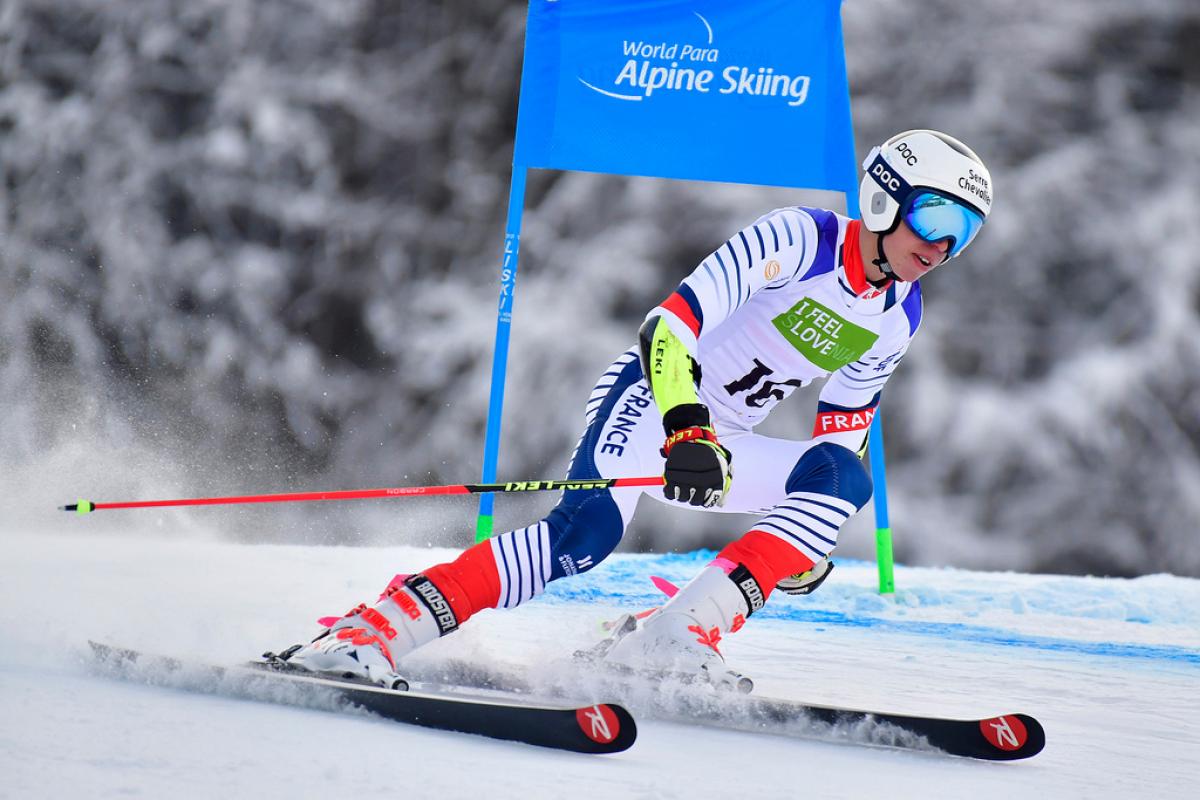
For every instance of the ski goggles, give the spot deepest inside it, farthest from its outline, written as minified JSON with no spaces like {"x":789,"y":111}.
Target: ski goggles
{"x":934,"y":217}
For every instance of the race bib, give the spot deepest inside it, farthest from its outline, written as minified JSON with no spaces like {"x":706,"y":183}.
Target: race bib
{"x":823,"y":337}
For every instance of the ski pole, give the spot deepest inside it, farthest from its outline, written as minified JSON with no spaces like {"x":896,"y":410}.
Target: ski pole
{"x":87,"y":506}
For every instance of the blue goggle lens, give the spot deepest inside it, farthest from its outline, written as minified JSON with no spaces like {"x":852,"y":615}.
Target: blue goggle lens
{"x":935,"y":217}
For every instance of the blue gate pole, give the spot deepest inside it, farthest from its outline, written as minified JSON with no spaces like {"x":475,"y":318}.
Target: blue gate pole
{"x":883,"y":530}
{"x":508,"y":287}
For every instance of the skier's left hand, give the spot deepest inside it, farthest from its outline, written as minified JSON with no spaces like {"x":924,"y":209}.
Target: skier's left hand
{"x":698,"y":469}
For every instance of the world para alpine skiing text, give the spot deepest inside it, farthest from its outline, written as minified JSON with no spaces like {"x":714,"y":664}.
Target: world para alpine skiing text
{"x":763,"y":81}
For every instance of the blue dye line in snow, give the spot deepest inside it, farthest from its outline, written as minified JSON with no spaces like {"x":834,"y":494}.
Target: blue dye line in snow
{"x":613,"y":586}
{"x":978,"y":634}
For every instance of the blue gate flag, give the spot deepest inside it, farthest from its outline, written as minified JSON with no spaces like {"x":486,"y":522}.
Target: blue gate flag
{"x":738,"y":91}
{"x":749,"y":91}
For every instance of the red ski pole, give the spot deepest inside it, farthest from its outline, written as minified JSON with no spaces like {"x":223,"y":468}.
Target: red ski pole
{"x":87,"y":506}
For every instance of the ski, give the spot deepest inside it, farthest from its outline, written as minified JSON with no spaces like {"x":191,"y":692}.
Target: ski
{"x":596,"y":728}
{"x":1007,"y":737}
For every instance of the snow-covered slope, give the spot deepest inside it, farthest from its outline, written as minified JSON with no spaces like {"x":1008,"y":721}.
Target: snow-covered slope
{"x":1111,"y":667}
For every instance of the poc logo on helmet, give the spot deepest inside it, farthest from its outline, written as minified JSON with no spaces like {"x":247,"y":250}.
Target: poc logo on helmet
{"x":907,"y":154}
{"x":885,"y":177}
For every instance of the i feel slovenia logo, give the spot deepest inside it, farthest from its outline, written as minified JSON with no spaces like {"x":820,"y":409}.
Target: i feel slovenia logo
{"x":638,"y":69}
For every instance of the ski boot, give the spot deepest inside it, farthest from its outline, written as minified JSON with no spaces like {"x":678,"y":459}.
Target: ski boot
{"x":682,"y":638}
{"x":367,"y":642}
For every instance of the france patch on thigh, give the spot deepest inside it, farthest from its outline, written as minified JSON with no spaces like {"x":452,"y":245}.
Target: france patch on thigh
{"x":624,"y":429}
{"x":618,"y":437}
{"x":621,"y":440}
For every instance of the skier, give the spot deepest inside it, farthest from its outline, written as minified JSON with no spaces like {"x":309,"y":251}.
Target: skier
{"x":800,"y":294}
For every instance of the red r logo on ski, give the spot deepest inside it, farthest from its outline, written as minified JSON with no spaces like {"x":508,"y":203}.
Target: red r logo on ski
{"x":1005,"y":733}
{"x":599,"y":723}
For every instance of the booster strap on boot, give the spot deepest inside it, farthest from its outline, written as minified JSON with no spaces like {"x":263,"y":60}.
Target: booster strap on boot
{"x":744,"y":580}
{"x":433,"y":599}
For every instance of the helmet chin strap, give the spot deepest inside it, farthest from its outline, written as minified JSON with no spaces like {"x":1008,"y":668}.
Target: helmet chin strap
{"x":881,"y":261}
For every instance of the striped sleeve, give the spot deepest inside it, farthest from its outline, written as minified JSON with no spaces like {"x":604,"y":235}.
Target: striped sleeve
{"x":770,"y":252}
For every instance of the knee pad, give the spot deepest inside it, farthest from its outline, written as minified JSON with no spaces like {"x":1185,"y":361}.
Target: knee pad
{"x":831,"y":469}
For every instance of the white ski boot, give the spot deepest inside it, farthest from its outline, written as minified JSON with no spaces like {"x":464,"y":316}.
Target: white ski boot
{"x":367,"y":642}
{"x":683,"y":637}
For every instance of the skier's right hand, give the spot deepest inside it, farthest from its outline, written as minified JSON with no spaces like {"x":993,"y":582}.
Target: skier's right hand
{"x":698,"y":470}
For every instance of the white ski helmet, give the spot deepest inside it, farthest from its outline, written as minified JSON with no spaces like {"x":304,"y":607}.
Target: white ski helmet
{"x":912,"y":163}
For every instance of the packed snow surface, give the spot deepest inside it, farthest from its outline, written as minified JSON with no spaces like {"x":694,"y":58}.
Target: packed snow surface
{"x":1110,"y":667}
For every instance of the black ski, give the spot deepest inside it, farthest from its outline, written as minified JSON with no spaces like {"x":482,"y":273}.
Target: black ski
{"x":596,"y":728}
{"x":1003,"y":738}
{"x":1006,"y":737}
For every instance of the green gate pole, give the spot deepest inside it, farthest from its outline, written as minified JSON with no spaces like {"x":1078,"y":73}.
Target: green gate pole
{"x":883,"y":530}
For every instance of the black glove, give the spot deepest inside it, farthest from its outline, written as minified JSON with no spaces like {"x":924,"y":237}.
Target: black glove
{"x":698,"y":468}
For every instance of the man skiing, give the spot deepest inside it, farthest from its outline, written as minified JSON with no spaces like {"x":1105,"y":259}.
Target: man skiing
{"x":798,"y":295}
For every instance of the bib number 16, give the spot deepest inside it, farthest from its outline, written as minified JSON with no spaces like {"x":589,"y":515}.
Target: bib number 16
{"x":767,"y":391}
